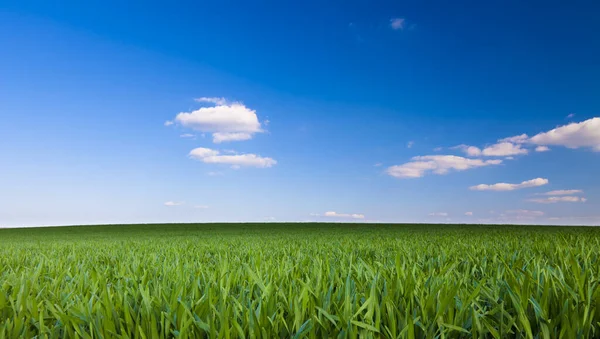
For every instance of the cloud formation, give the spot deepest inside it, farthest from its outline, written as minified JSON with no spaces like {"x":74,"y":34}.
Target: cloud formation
{"x":510,"y":187}
{"x":236,"y":161}
{"x":562,"y":192}
{"x":574,"y":135}
{"x":226,"y":121}
{"x":552,"y":200}
{"x":438,"y":164}
{"x":469,"y":214}
{"x":502,"y":149}
{"x":173,"y":203}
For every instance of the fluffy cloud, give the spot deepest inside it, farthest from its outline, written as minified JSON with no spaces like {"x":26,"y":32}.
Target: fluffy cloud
{"x":562,"y":192}
{"x":510,"y":187}
{"x":332,"y":214}
{"x":211,"y":156}
{"x":542,"y":149}
{"x":438,"y":164}
{"x":471,"y":151}
{"x":552,"y":200}
{"x":173,"y":203}
{"x":227,"y":121}
{"x":502,"y":149}
{"x":397,"y":23}
{"x":168,"y":123}
{"x":517,"y":139}
{"x":574,"y":135}
{"x":469,"y":214}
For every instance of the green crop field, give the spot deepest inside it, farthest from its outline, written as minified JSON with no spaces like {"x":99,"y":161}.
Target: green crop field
{"x":300,"y":280}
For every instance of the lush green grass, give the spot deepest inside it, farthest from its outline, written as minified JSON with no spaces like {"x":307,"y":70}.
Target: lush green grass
{"x":300,"y":280}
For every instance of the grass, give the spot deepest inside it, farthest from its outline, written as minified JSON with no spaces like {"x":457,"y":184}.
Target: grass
{"x":300,"y":280}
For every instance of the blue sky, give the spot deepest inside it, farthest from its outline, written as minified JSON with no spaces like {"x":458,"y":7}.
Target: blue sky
{"x":116,"y":112}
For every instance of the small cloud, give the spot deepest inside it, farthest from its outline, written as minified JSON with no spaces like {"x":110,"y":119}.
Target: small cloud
{"x":212,"y":174}
{"x":469,"y":214}
{"x":226,"y":121}
{"x":378,"y":164}
{"x":510,"y":187}
{"x":553,"y":200}
{"x":517,"y":139}
{"x":331,"y":214}
{"x":562,"y":192}
{"x":168,"y":123}
{"x":410,"y":144}
{"x":570,"y":116}
{"x":397,"y":23}
{"x":510,"y":158}
{"x":201,"y":207}
{"x":503,"y":149}
{"x":471,"y":151}
{"x":187,"y":135}
{"x":437,"y":149}
{"x":212,"y":100}
{"x":236,"y":161}
{"x":438,"y":214}
{"x":173,"y":203}
{"x":542,"y":149}
{"x":438,"y":164}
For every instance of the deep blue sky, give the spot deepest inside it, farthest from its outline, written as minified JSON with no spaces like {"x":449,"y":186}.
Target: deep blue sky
{"x":342,"y":96}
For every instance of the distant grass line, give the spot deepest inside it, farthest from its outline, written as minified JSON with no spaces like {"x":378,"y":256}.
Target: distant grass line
{"x":314,"y":280}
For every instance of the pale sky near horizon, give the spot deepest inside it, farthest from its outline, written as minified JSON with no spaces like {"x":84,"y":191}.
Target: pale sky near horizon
{"x":137,"y":112}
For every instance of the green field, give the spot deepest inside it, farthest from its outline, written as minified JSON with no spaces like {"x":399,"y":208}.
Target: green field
{"x":300,"y":280}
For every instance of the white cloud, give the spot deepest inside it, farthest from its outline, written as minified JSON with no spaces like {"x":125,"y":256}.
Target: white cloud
{"x":438,"y":164}
{"x":517,"y":139}
{"x":173,"y":203}
{"x":552,"y":200}
{"x":562,"y":192}
{"x":572,"y":115}
{"x":510,"y":187}
{"x":470,"y":214}
{"x":187,"y":135}
{"x":227,"y":121}
{"x":438,"y":214}
{"x":542,"y":149}
{"x":378,"y":164}
{"x":201,"y":207}
{"x":574,"y":135}
{"x":221,"y":137}
{"x":502,"y":149}
{"x":168,"y":123}
{"x":236,"y":161}
{"x":410,"y":144}
{"x":469,"y":150}
{"x":397,"y":23}
{"x":212,"y":100}
{"x":332,"y":214}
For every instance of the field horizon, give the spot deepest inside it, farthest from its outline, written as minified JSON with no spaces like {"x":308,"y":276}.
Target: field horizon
{"x":300,"y":280}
